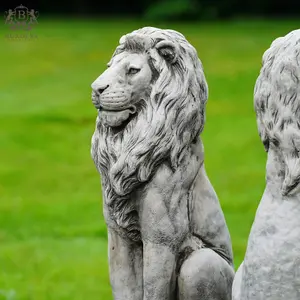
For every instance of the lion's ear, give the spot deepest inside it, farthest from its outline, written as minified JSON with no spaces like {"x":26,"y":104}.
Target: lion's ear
{"x":167,"y":50}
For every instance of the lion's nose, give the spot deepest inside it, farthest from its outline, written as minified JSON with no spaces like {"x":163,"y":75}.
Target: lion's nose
{"x":102,"y":89}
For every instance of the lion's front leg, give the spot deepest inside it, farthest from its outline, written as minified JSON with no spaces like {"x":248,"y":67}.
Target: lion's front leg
{"x":125,"y":267}
{"x":164,"y":226}
{"x":159,"y":272}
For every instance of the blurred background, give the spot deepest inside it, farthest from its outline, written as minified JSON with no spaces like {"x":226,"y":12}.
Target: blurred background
{"x":52,"y":233}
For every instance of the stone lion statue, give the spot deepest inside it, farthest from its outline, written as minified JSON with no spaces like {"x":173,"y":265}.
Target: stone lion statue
{"x":167,"y":237}
{"x":271,"y":268}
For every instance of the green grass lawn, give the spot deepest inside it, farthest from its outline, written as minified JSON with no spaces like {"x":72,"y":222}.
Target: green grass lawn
{"x":52,"y":233}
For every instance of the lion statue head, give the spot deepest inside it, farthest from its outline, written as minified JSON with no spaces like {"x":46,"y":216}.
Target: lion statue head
{"x":277,"y":106}
{"x":151,"y":102}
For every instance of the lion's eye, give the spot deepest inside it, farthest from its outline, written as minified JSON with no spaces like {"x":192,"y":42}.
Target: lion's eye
{"x":133,"y":70}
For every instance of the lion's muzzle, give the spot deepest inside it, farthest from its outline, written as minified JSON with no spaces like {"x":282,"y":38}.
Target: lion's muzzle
{"x":114,"y":107}
{"x":115,"y":100}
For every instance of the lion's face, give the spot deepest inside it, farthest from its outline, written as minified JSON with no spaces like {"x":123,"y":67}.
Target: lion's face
{"x":118,"y":90}
{"x":151,"y":103}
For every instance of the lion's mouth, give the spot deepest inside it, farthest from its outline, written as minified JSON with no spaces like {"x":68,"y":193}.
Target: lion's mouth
{"x":118,"y":119}
{"x":131,"y":109}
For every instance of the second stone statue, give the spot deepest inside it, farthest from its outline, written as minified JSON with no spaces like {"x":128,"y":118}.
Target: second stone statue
{"x":167,"y":236}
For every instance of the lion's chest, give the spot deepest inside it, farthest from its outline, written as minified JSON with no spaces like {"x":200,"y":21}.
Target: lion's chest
{"x":163,"y":210}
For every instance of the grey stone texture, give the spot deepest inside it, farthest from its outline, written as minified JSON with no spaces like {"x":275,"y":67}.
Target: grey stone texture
{"x":167,"y":236}
{"x":271,"y":268}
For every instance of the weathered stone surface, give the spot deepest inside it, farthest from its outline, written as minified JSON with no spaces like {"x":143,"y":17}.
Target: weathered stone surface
{"x":271,"y":269}
{"x":166,"y":231}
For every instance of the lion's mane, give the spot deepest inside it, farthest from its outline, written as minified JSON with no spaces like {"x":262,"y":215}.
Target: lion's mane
{"x":277,"y":105}
{"x":166,"y":124}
